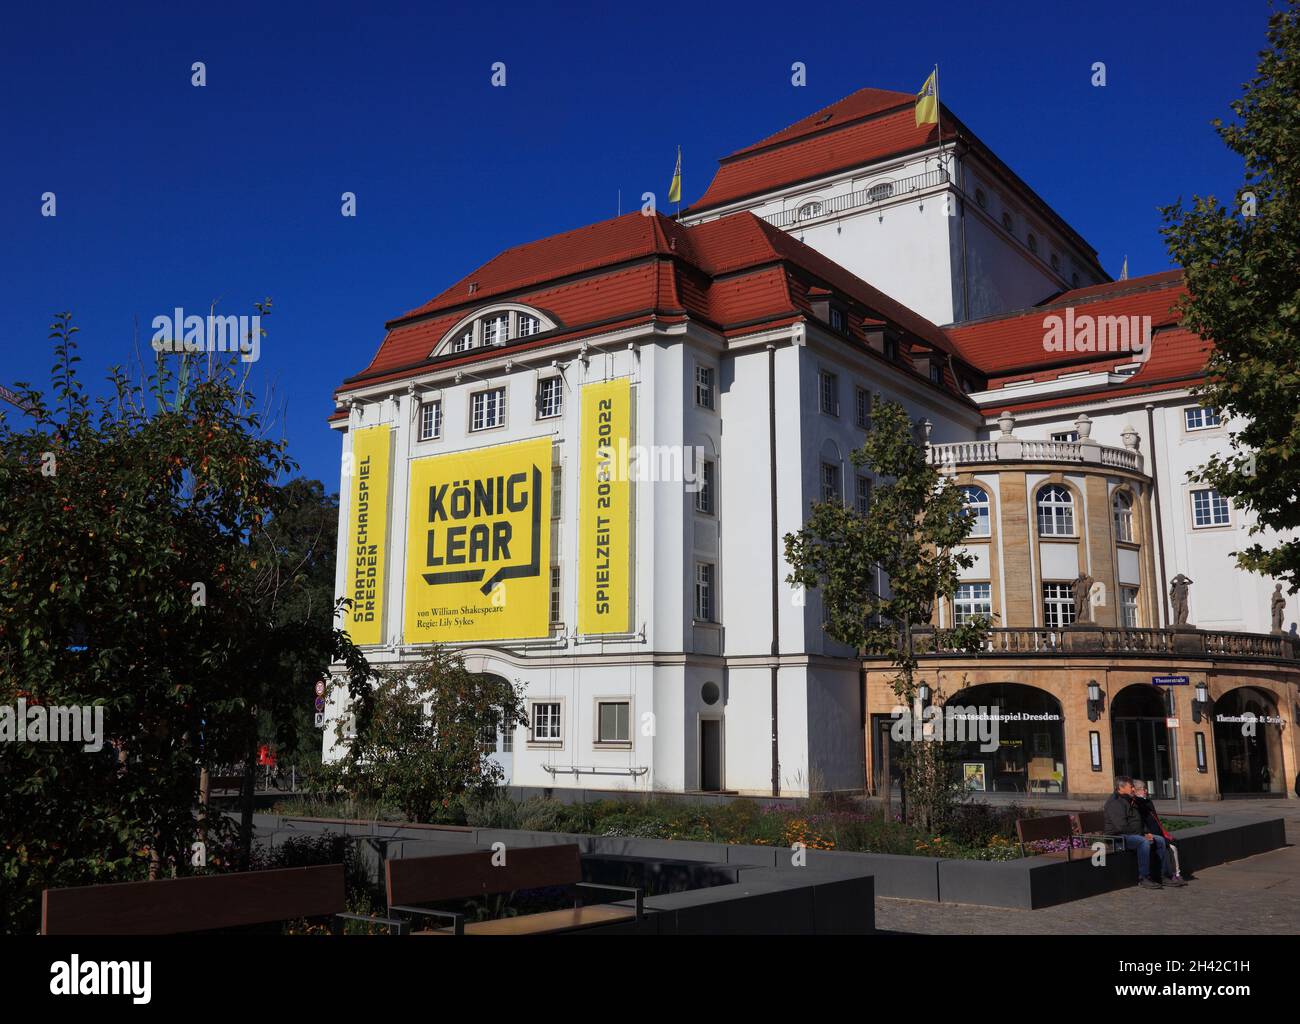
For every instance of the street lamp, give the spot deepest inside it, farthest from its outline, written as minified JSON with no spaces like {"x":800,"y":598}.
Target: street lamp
{"x":923,"y":695}
{"x":1201,"y":703}
{"x":1096,"y":702}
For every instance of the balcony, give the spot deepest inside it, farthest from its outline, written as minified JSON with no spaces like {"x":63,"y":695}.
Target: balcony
{"x":1004,"y":450}
{"x":1108,"y":640}
{"x":862,"y":199}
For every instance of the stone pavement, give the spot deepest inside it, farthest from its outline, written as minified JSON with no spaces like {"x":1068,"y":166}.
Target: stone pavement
{"x":1256,"y":896}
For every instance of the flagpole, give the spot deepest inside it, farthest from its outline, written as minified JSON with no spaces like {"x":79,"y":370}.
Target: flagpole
{"x":938,"y":118}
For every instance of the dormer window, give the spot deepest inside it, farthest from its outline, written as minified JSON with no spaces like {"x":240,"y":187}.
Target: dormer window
{"x":837,"y":319}
{"x":809,"y":210}
{"x":879,"y":193}
{"x":494,"y":326}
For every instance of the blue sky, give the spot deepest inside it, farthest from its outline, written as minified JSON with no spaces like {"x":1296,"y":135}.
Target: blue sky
{"x":170,"y":195}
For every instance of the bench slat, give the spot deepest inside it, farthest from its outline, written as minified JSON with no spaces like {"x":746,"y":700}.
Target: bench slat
{"x":456,"y":876}
{"x":1057,"y":826}
{"x":174,"y":905}
{"x":552,"y":921}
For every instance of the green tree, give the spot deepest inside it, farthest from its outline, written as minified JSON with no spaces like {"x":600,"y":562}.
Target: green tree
{"x":127,"y":584}
{"x":419,"y":737}
{"x":1242,"y":268}
{"x":881,"y":572}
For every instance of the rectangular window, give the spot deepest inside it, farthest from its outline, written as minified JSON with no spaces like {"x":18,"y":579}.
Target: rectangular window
{"x":936,"y":373}
{"x":487,"y":739}
{"x":430,"y":420}
{"x":862,"y":408}
{"x":546,"y":722}
{"x":1209,"y":508}
{"x":528,"y":325}
{"x":557,"y":491}
{"x":555,"y":594}
{"x":704,"y":496}
{"x":487,"y":409}
{"x":837,"y":319}
{"x":830,"y":482}
{"x":613,"y":721}
{"x":971,"y":600}
{"x":508,"y":741}
{"x":1128,"y":607}
{"x":704,"y":386}
{"x":1201,"y":417}
{"x":1066,"y":435}
{"x":704,"y":591}
{"x":550,"y":397}
{"x":828,"y":388}
{"x":1058,"y":605}
{"x":863,"y":502}
{"x":891,"y":348}
{"x":496,"y":329}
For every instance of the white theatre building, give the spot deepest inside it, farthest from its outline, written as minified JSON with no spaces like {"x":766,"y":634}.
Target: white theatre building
{"x":736,"y":351}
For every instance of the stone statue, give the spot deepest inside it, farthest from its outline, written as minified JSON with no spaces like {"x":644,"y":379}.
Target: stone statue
{"x":1179,"y":587}
{"x":1082,"y":587}
{"x":1278,"y":608}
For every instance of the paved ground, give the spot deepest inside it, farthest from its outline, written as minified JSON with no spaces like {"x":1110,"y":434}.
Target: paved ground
{"x":1258,"y":895}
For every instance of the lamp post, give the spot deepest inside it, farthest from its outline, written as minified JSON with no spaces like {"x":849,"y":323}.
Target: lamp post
{"x":1201,"y":703}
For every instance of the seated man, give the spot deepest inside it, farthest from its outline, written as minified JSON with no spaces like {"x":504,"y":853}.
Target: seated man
{"x":1123,"y":819}
{"x":1152,"y":823}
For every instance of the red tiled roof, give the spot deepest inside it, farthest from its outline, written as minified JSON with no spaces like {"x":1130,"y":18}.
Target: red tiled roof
{"x":809,"y":154}
{"x":1011,"y":345}
{"x":862,"y":103}
{"x":734,"y":273}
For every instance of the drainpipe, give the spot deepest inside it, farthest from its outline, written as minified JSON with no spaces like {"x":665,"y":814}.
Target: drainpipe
{"x":776,"y":607}
{"x":1163,"y":604}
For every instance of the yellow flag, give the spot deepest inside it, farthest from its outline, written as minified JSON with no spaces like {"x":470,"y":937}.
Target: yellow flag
{"x":927,"y":101}
{"x":675,"y":189}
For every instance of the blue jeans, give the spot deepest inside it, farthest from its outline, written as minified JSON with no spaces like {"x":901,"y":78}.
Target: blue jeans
{"x":1143,"y":848}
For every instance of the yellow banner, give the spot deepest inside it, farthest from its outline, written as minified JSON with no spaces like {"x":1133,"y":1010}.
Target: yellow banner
{"x":605,"y":545}
{"x":368,"y":533}
{"x":478,"y":547}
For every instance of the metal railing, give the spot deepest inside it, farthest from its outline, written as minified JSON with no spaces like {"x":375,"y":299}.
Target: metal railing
{"x":862,"y":198}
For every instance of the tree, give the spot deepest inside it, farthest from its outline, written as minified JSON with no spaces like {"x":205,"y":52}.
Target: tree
{"x":419,"y":739}
{"x":1242,"y":269}
{"x":127,"y":585}
{"x":880,"y":574}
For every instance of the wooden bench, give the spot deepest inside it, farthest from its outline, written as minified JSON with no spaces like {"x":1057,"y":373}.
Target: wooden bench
{"x":460,"y":876}
{"x":203,"y":903}
{"x":1056,"y":826}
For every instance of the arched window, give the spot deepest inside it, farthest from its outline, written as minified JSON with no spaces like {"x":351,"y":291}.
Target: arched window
{"x":981,"y":198}
{"x":881,"y":192}
{"x":977,"y":509}
{"x":1056,"y":262}
{"x":1006,"y":221}
{"x":1033,"y":243}
{"x":1055,"y":511}
{"x":1122,"y":506}
{"x":809,"y":210}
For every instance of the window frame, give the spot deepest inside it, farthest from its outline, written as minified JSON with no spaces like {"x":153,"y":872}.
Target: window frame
{"x":557,"y":382}
{"x":706,"y":583}
{"x":705,"y":503}
{"x":597,"y":738}
{"x":861,"y":407}
{"x":1212,"y":525}
{"x":707,"y":387}
{"x":556,"y":741}
{"x":985,"y":506}
{"x":967,"y":607}
{"x":436,"y":406}
{"x":1121,"y":514}
{"x":828,"y":387}
{"x":1066,"y":511}
{"x":861,"y":500}
{"x":555,"y":595}
{"x":483,"y":393}
{"x":830,"y":472}
{"x":1062,"y":598}
{"x":1202,"y":412}
{"x":1125,"y":606}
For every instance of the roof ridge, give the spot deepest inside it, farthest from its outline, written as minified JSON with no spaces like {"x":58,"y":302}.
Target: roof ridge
{"x":763,"y":143}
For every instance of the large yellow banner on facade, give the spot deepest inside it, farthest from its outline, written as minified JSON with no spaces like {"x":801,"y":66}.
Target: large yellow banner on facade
{"x":605,"y":538}
{"x":478,"y":546}
{"x":368,"y":533}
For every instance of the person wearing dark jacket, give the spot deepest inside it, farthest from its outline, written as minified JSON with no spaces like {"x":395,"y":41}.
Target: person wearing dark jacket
{"x":1124,"y":820}
{"x":1151,"y":820}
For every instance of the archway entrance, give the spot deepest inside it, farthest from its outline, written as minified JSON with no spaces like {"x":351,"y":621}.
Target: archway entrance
{"x":499,"y":744}
{"x":1014,"y":739}
{"x":1247,"y":744}
{"x":1140,"y":738}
